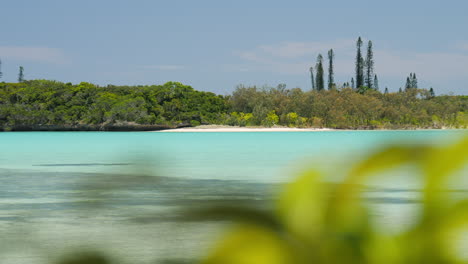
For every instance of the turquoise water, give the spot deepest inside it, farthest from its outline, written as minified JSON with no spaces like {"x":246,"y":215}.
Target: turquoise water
{"x":61,"y":191}
{"x":253,"y":156}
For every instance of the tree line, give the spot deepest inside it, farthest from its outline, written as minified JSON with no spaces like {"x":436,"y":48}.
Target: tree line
{"x":345,"y":108}
{"x":39,"y":104}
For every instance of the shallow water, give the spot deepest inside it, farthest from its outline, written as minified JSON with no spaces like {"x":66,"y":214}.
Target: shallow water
{"x":121,"y":192}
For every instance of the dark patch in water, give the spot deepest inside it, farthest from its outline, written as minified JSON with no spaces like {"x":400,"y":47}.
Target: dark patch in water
{"x":392,"y":200}
{"x":12,"y":219}
{"x":82,"y":164}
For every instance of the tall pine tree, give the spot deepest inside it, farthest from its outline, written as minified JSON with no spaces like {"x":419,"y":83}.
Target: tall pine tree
{"x":359,"y":65}
{"x":431,"y":92}
{"x":414,"y":81}
{"x":21,"y":74}
{"x":331,"y":78}
{"x":352,"y":83}
{"x":411,"y":82}
{"x":311,"y":69}
{"x":319,"y":81}
{"x":408,"y":82}
{"x":369,"y":66}
{"x":1,"y":74}
{"x":376,"y":82}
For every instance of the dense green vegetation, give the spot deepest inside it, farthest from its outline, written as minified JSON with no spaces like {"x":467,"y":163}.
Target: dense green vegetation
{"x":41,"y":104}
{"x":346,"y":108}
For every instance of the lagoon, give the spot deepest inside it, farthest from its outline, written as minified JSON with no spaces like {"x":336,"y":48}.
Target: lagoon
{"x":228,"y":156}
{"x":120,"y":191}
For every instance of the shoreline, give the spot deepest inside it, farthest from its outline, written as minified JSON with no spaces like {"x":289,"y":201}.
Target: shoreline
{"x":245,"y":129}
{"x":221,"y":128}
{"x":124,"y":127}
{"x":183,"y":128}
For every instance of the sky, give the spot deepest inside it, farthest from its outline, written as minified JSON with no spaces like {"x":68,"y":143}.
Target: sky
{"x":216,"y":45}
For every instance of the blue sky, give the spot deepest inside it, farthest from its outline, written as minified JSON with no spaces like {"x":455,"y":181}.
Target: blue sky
{"x":216,"y":45}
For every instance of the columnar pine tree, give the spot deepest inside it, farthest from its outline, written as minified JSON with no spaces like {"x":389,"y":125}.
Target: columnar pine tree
{"x":1,"y":74}
{"x":369,"y":66}
{"x":411,"y":81}
{"x":408,"y":82}
{"x":352,"y":83}
{"x":319,"y":81}
{"x":311,"y":69}
{"x":431,"y":92}
{"x":386,"y":90}
{"x":359,"y":65}
{"x":21,"y":74}
{"x":414,"y":81}
{"x":331,"y":79}
{"x":376,"y":82}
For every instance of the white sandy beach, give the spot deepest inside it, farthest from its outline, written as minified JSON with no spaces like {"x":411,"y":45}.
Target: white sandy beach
{"x":219,"y":128}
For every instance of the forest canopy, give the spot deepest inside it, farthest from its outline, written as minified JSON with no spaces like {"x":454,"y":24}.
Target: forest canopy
{"x":50,"y":105}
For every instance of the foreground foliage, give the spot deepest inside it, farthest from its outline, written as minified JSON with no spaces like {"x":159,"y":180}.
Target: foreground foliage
{"x":39,"y":103}
{"x":316,"y":223}
{"x":313,"y":222}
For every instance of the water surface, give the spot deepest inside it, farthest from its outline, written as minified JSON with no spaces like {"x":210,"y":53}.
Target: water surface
{"x":122,"y":190}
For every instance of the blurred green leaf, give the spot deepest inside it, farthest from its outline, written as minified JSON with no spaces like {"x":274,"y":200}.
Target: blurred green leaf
{"x":300,"y":206}
{"x":439,"y":165}
{"x":331,"y":224}
{"x":249,"y":244}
